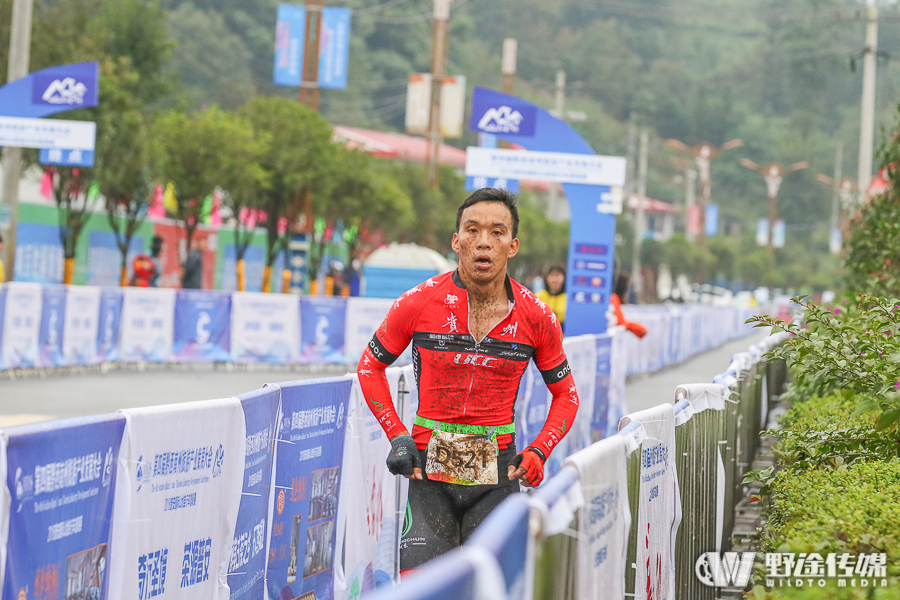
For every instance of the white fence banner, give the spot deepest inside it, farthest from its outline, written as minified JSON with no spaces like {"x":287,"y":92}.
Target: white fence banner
{"x":147,"y":325}
{"x":265,"y":327}
{"x":80,"y":327}
{"x":659,"y":504}
{"x":364,"y":315}
{"x":177,"y":497}
{"x":21,"y":325}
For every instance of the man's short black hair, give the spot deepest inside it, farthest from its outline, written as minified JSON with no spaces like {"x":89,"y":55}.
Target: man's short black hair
{"x":504,"y":197}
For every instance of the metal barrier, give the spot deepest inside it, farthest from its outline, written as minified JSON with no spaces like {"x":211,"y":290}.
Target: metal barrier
{"x":715,"y":447}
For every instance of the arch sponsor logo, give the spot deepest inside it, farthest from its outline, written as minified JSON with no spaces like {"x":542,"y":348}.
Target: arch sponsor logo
{"x":62,"y":91}
{"x":504,"y":118}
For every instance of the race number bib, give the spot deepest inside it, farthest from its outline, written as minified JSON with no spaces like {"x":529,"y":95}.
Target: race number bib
{"x":462,"y":458}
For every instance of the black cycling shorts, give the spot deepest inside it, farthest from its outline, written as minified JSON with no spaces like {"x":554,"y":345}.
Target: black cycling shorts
{"x":441,"y":516}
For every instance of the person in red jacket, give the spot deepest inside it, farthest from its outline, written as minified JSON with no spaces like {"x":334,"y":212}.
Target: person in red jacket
{"x":615,"y":316}
{"x":473,"y":331}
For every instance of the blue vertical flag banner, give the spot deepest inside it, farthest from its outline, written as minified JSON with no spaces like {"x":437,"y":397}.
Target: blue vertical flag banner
{"x":202,"y":326}
{"x":146,"y":332}
{"x":177,"y":499}
{"x":322,"y":329}
{"x":108,"y":320}
{"x":289,"y":35}
{"x":21,"y":325}
{"x":53,"y":314}
{"x":264,"y":327}
{"x":712,"y":219}
{"x":79,"y":338}
{"x":307,"y":482}
{"x":61,"y":477}
{"x":247,"y":567}
{"x":334,"y":46}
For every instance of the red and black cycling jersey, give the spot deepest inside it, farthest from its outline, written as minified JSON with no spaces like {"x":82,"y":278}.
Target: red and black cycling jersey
{"x":463,"y":380}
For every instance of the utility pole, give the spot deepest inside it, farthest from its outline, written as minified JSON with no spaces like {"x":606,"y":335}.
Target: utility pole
{"x":632,"y":156}
{"x":559,"y":104}
{"x":703,"y":155}
{"x":834,"y":241}
{"x":438,"y":72}
{"x":640,"y":225}
{"x":19,"y":57}
{"x":508,"y":66}
{"x":309,"y":84}
{"x":774,"y":175}
{"x":690,"y":199}
{"x":867,"y":121}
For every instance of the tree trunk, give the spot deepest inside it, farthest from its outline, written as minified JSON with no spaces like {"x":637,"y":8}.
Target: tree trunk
{"x":267,"y":280}
{"x":286,"y":281}
{"x":313,"y":287}
{"x":69,"y":271}
{"x":241,"y":276}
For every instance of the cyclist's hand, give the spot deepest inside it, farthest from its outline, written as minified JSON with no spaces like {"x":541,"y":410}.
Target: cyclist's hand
{"x":527,"y":466}
{"x":404,"y":458}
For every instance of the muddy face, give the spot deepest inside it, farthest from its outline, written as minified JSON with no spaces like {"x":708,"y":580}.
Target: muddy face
{"x":484,"y":242}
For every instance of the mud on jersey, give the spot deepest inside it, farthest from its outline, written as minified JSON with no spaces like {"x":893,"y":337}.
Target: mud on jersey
{"x":461,"y":380}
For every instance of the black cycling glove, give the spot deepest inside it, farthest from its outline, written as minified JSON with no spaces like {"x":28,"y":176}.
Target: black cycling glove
{"x":404,"y":456}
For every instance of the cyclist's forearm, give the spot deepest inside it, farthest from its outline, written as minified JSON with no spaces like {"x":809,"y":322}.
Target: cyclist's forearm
{"x":377,"y":392}
{"x":563,"y":409}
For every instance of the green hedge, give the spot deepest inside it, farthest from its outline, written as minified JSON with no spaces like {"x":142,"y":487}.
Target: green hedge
{"x":838,"y":490}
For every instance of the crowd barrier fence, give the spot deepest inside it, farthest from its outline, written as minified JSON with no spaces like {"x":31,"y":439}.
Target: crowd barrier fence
{"x":278,"y":493}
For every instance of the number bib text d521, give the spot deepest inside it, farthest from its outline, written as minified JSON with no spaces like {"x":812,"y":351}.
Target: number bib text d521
{"x":462,"y":458}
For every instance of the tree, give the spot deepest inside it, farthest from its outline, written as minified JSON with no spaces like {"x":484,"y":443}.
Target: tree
{"x":295,"y":162}
{"x":74,"y":200}
{"x":199,"y":151}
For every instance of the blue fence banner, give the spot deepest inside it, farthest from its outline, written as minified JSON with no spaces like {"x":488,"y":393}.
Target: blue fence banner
{"x":247,"y":567}
{"x":202,"y":326}
{"x":307,"y":482}
{"x":21,"y":325}
{"x":104,"y":262}
{"x":61,"y":477}
{"x":39,"y":253}
{"x":322,"y":329}
{"x":334,"y":51}
{"x":53,"y":314}
{"x":146,"y":331}
{"x":52,"y":90}
{"x":108,"y":320}
{"x":2,"y":320}
{"x":505,"y":535}
{"x":177,"y":499}
{"x":599,"y":420}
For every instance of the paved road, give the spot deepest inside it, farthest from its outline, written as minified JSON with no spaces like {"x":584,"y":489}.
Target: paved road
{"x":646,"y":391}
{"x":34,"y":399}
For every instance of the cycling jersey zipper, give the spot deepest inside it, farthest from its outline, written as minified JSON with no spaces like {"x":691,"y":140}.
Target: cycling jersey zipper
{"x":478,"y":344}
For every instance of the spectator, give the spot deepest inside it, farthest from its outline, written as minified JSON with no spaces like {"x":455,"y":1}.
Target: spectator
{"x":554,"y":292}
{"x":615,"y":316}
{"x":192,"y":278}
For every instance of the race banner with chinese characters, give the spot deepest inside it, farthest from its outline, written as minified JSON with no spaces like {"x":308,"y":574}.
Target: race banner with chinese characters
{"x":21,"y":325}
{"x":364,"y":315}
{"x":50,"y":336}
{"x":264,"y":327}
{"x":80,"y":329}
{"x":61,"y":477}
{"x":202,"y":326}
{"x":310,"y":448}
{"x":177,"y":498}
{"x":322,"y":323}
{"x":108,"y":321}
{"x":247,"y":567}
{"x":147,"y":324}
